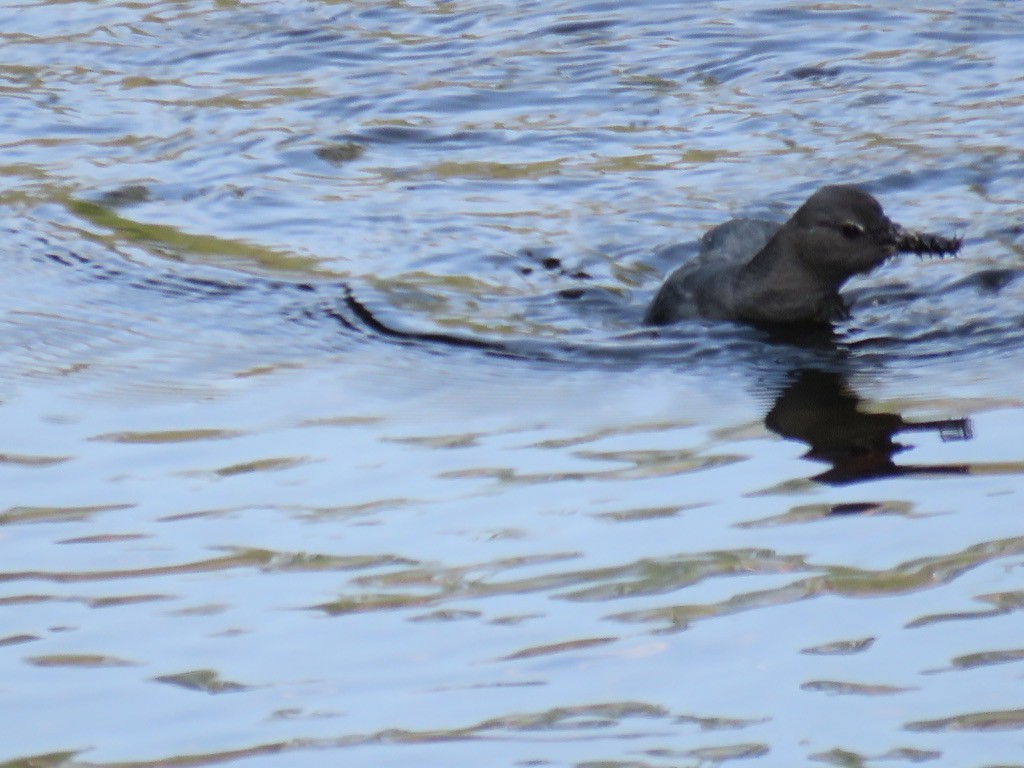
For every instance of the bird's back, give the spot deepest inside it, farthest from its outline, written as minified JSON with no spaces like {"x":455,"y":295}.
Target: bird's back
{"x":702,"y":286}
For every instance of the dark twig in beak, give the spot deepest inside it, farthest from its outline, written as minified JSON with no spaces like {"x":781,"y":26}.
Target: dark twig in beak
{"x":924,"y":243}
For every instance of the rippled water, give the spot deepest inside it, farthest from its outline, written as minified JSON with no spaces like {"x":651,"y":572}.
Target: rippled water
{"x":330,"y":436}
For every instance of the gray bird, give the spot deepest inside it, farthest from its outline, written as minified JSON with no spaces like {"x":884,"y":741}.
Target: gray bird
{"x":761,"y":273}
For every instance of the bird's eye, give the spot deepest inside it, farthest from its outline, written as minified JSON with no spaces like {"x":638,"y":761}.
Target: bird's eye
{"x":851,"y":230}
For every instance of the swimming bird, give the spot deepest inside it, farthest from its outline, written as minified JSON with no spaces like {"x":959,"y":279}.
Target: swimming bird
{"x":763,"y":273}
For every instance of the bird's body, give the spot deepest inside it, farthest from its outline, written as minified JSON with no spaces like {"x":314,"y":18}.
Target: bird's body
{"x":764,"y":273}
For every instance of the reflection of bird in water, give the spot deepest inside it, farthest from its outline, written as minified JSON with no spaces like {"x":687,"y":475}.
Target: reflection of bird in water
{"x":819,"y":408}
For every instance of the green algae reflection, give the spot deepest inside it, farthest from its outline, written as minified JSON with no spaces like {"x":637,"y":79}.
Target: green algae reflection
{"x":210,"y":246}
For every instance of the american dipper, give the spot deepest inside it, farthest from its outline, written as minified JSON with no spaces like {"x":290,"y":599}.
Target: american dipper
{"x":761,"y":273}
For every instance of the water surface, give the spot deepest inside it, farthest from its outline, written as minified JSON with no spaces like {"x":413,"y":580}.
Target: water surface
{"x":329,"y":434}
